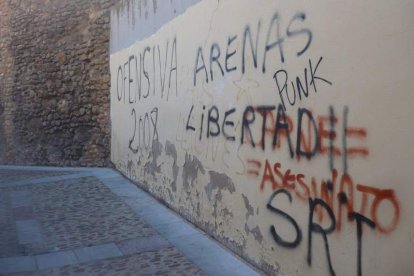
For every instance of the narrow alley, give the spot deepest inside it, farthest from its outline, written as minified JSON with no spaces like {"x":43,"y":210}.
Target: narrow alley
{"x":63,"y":221}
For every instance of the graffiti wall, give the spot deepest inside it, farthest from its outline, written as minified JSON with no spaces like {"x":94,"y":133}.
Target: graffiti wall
{"x":281,"y":128}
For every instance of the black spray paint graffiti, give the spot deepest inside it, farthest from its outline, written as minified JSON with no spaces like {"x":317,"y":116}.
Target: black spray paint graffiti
{"x":282,"y":78}
{"x":218,"y":63}
{"x":302,"y":87}
{"x":145,"y":130}
{"x":316,"y":228}
{"x":136,"y":78}
{"x":307,"y":136}
{"x":213,"y":125}
{"x":152,"y":72}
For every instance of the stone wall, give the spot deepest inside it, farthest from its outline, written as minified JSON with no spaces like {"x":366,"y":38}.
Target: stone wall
{"x":281,"y":128}
{"x":54,"y":82}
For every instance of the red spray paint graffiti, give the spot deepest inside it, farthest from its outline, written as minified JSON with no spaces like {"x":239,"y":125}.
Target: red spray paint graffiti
{"x":338,"y":193}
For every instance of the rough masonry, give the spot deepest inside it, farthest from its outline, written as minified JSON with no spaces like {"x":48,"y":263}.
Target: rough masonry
{"x":54,"y":82}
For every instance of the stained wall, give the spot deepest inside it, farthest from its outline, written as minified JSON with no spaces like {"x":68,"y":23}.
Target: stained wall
{"x":281,"y":128}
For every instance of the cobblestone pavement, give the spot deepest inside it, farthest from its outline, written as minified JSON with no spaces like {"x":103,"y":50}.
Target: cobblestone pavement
{"x":8,"y":175}
{"x":83,"y":221}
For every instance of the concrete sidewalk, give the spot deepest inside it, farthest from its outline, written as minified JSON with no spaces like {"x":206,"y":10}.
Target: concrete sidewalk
{"x":87,"y":221}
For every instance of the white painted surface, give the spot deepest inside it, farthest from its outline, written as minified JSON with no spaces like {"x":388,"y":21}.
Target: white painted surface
{"x":367,"y":49}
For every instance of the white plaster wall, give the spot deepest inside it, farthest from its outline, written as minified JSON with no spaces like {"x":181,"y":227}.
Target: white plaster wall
{"x":224,"y":186}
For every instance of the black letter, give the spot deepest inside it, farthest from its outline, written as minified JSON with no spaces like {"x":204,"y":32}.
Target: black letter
{"x":229,"y":55}
{"x":173,"y":54}
{"x":214,"y":58}
{"x":264,"y":109}
{"x":187,"y":127}
{"x":214,"y":120}
{"x":344,"y":141}
{"x":306,"y":31}
{"x":119,"y":96}
{"x":162,"y":76}
{"x":299,"y":151}
{"x":285,"y":126}
{"x":254,"y":50}
{"x":228,"y":123}
{"x":284,"y":88}
{"x":139,"y":75}
{"x":154,"y":123}
{"x":147,"y":49}
{"x":146,"y":121}
{"x":246,"y":124}
{"x":130,"y":80}
{"x":331,"y":137}
{"x":123,"y":83}
{"x":202,"y":122}
{"x":299,"y":85}
{"x":313,"y":75}
{"x":276,"y":237}
{"x":134,"y":150}
{"x":278,"y":42}
{"x":313,"y":227}
{"x":197,"y":69}
{"x":359,"y":220}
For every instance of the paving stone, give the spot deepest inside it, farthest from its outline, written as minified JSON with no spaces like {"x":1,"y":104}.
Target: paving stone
{"x":176,"y":229}
{"x":211,"y":257}
{"x":9,"y":244}
{"x":140,"y":205}
{"x":72,"y":214}
{"x":152,"y":243}
{"x":166,"y":261}
{"x":97,"y":252}
{"x":82,"y":227}
{"x":23,"y":213}
{"x":45,"y":180}
{"x":111,"y":178}
{"x":127,"y":190}
{"x":17,"y":264}
{"x":20,"y":199}
{"x":28,"y":231}
{"x":56,"y":259}
{"x":156,"y":215}
{"x":8,"y":175}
